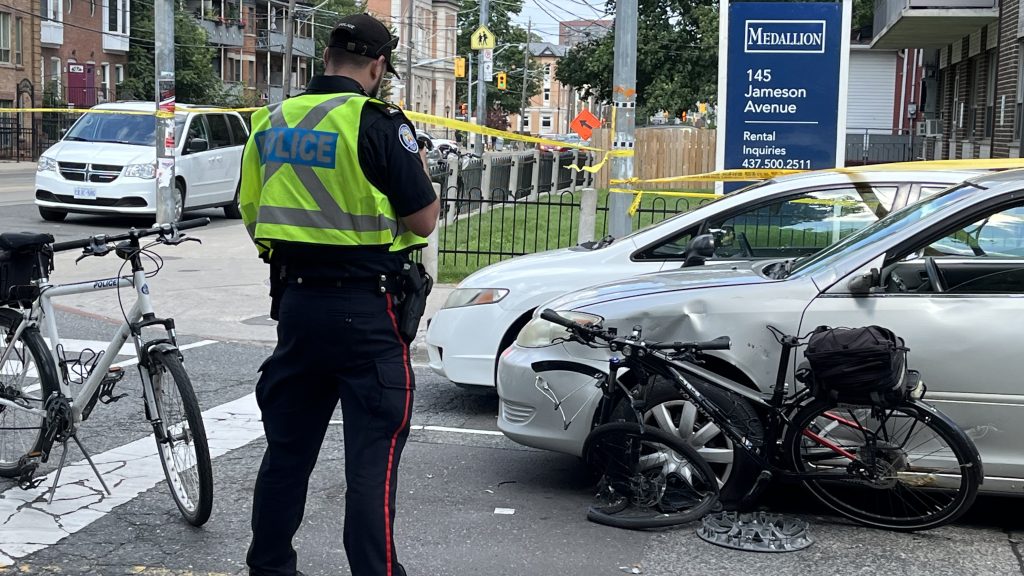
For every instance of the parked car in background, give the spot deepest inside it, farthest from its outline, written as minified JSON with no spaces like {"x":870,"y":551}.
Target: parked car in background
{"x":443,"y":146}
{"x":567,"y":138}
{"x":945,"y":274}
{"x":106,"y":163}
{"x":485,"y":312}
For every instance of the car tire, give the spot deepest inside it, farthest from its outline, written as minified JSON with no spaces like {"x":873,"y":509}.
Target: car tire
{"x":740,"y":475}
{"x":179,"y":207}
{"x":52,"y":215}
{"x":233,"y":211}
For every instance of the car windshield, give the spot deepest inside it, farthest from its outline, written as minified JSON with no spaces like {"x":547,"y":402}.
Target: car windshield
{"x":136,"y":129}
{"x":891,"y":224}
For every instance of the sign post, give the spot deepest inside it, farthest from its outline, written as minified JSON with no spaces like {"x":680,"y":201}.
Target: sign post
{"x":783,"y":85}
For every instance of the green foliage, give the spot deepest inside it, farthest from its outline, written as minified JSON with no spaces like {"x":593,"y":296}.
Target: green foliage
{"x":322,"y":31}
{"x":509,"y":59}
{"x":195,"y":79}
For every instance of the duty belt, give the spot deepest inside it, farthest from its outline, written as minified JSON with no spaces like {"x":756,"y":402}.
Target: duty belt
{"x":382,"y":284}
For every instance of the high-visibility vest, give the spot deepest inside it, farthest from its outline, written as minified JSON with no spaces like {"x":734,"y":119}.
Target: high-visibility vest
{"x":302,"y":181}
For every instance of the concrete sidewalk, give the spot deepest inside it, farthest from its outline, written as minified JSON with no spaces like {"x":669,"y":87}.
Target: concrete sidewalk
{"x":217,"y":290}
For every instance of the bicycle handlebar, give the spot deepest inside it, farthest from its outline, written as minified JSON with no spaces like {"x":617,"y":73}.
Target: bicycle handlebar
{"x":162,"y":230}
{"x":720,"y":343}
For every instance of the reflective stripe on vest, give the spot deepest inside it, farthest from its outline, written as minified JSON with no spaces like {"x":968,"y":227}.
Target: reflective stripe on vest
{"x":319,"y":216}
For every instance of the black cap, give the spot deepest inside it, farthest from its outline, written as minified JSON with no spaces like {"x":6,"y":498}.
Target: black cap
{"x":364,"y":35}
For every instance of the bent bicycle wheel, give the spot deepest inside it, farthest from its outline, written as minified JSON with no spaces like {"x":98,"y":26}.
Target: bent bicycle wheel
{"x":906,"y":468}
{"x":183,"y":449}
{"x":649,"y":479}
{"x":27,"y":378}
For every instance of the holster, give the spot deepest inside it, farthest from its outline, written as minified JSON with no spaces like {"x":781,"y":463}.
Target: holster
{"x":277,"y":285}
{"x":416,"y":286}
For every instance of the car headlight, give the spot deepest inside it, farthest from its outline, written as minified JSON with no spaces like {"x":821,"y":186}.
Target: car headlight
{"x":144,"y":171}
{"x":539,"y":333}
{"x":473,"y":296}
{"x":46,"y":165}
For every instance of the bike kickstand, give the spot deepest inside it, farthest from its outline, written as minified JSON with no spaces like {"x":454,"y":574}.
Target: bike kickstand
{"x":60,"y":468}
{"x":88,"y":459}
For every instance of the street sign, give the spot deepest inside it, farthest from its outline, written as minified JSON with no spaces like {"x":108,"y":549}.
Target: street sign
{"x":784,"y":86}
{"x":488,"y":71}
{"x":584,"y":124}
{"x":482,"y":39}
{"x":487,"y":55}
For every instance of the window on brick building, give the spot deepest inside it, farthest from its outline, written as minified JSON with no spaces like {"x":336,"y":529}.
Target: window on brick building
{"x":547,"y":95}
{"x":5,"y":37}
{"x":17,"y":42}
{"x":118,"y":74}
{"x":974,"y":100}
{"x":990,"y":93}
{"x":1018,"y":116}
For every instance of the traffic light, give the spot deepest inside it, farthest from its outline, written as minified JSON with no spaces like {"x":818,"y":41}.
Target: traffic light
{"x":684,"y":116}
{"x":502,"y":81}
{"x":460,"y":67}
{"x":703,"y":107}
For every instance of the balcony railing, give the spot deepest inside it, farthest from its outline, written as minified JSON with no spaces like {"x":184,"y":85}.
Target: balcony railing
{"x":113,"y":42}
{"x":275,"y":41}
{"x":51,"y":33}
{"x":929,"y":23}
{"x":223,"y":34}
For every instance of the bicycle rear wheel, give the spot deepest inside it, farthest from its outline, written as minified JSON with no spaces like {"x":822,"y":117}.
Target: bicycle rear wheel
{"x":27,"y":377}
{"x":184,"y":452}
{"x":905,"y":468}
{"x":649,"y":479}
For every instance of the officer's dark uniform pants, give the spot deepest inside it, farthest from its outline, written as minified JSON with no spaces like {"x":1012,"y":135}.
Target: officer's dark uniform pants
{"x":333,"y":343}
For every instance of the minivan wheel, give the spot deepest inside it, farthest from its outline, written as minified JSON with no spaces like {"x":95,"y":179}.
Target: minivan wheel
{"x":53,"y":215}
{"x":233,"y":211}
{"x":179,"y":200}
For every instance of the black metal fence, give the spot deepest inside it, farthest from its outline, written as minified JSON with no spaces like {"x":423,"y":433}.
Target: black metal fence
{"x":865,"y":147}
{"x":24,"y":136}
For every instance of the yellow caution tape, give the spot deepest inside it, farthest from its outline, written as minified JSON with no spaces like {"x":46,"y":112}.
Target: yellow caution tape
{"x":485,"y":131}
{"x":738,"y":175}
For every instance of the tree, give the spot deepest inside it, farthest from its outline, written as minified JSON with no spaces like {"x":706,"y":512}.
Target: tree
{"x":195,"y":79}
{"x":328,"y":15}
{"x":509,"y":56}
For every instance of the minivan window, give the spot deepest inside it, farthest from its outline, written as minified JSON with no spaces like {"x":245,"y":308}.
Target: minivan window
{"x":220,"y":136}
{"x":135,"y":129}
{"x":238,"y":133}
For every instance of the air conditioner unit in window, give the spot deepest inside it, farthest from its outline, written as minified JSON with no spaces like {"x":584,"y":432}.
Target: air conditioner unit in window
{"x":921,"y":129}
{"x":933,"y":127}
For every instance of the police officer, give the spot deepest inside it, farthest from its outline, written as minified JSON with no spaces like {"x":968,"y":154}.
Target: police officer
{"x":335,"y":194}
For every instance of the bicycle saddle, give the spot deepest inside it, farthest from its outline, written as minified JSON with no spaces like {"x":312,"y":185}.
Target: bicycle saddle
{"x":22,"y":240}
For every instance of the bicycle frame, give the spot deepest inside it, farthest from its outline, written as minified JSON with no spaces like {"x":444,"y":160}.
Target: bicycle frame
{"x":42,"y":315}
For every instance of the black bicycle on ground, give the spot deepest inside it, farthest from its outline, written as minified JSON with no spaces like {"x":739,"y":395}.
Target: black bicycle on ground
{"x":895,"y":463}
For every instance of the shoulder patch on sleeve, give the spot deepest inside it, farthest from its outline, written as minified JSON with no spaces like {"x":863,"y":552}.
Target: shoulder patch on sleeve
{"x":408,"y":139}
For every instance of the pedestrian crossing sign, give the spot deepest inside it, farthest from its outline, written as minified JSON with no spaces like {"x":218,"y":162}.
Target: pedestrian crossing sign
{"x":482,"y":39}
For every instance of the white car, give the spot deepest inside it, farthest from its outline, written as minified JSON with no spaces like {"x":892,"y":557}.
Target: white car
{"x":485,"y":312}
{"x":945,"y":274}
{"x":444,"y":146}
{"x":106,"y":163}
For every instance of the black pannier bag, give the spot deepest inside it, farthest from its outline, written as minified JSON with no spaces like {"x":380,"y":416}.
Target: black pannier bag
{"x":863,"y":366}
{"x":24,"y":258}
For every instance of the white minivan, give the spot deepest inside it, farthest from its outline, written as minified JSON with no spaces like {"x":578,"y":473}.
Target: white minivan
{"x":106,"y":162}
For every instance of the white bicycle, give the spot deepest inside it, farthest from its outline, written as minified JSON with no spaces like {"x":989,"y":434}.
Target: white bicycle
{"x":37,"y":408}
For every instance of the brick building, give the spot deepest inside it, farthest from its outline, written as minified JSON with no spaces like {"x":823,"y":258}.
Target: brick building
{"x":84,"y":49}
{"x":970,"y":92}
{"x":19,"y":54}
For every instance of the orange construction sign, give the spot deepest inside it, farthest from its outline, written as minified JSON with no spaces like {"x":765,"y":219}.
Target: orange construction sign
{"x":584,"y":124}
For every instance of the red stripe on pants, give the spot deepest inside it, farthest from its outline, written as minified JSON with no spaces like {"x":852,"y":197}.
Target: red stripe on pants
{"x":394,"y":439}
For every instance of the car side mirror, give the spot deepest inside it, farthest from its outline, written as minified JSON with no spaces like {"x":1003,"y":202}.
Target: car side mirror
{"x":197,"y":145}
{"x":863,"y":283}
{"x":698,"y":250}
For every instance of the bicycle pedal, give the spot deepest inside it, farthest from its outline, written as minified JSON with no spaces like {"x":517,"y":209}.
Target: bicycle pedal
{"x":27,"y":480}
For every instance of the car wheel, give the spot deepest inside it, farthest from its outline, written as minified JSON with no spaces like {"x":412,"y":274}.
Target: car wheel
{"x":233,"y":211}
{"x":53,"y":215}
{"x":667,"y":411}
{"x":179,"y":200}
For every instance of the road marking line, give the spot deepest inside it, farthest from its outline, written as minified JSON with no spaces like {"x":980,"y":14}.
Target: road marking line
{"x":129,"y":362}
{"x":28,"y":524}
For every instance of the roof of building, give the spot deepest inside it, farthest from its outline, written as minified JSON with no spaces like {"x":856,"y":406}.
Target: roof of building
{"x":547,"y":49}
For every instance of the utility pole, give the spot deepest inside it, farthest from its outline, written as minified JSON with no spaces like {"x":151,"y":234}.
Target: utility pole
{"x":624,"y":92}
{"x":163,"y":36}
{"x":526,"y":72}
{"x":469,"y":89}
{"x":289,"y":39}
{"x":481,"y":87}
{"x":408,"y":59}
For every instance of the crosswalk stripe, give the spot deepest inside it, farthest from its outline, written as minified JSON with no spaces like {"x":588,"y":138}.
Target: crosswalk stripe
{"x":28,"y":524}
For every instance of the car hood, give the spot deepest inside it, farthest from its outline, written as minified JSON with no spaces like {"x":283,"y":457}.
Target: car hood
{"x":101,"y":153}
{"x":534,"y":268}
{"x":648,"y":284}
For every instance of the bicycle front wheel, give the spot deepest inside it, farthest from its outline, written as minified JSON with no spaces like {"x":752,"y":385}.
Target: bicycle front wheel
{"x":27,"y":378}
{"x":649,"y":478}
{"x":905,"y":468}
{"x":181,"y":438}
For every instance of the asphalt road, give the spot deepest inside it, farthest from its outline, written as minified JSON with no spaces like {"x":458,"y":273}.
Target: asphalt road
{"x":457,"y":475}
